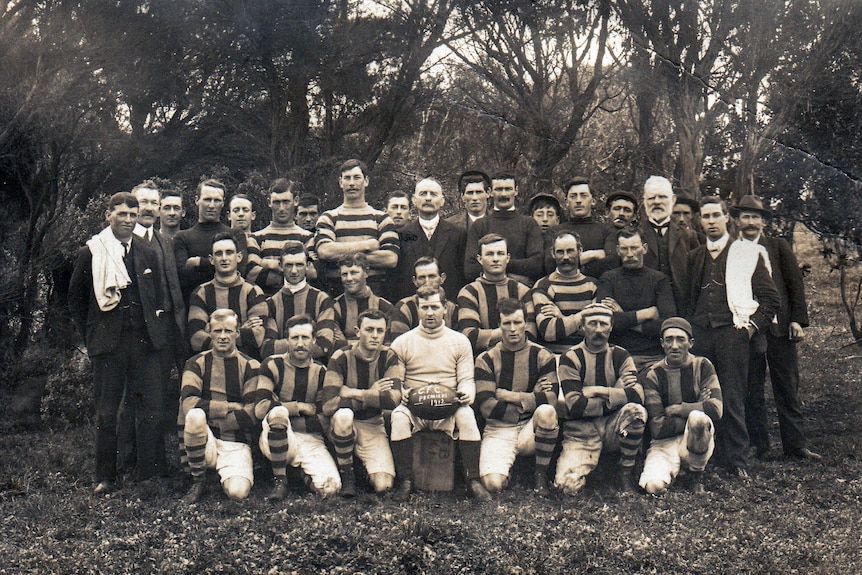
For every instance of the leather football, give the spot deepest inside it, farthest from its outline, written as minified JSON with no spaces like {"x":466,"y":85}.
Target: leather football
{"x":433,"y":401}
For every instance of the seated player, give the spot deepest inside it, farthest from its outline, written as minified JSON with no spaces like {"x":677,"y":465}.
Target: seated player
{"x":478,"y":318}
{"x":604,"y":404}
{"x":357,"y":297}
{"x":683,"y":399}
{"x":297,"y":297}
{"x":227,"y":290}
{"x":433,"y":353}
{"x":361,"y":381}
{"x":287,"y":392}
{"x":405,"y":315}
{"x":217,"y":411}
{"x":516,"y":392}
{"x":560,"y":296}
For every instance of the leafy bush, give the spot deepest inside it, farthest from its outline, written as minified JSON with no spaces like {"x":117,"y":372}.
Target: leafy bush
{"x":68,"y":397}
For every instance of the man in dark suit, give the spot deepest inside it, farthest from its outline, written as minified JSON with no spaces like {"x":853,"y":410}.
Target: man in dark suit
{"x":116,"y":300}
{"x":781,"y":339}
{"x":669,"y":244}
{"x":731,"y":298}
{"x":430,"y":235}
{"x":475,"y":189}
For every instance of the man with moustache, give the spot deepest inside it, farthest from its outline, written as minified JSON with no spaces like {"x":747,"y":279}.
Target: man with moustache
{"x":669,"y":245}
{"x":523,"y":237}
{"x":622,"y":209}
{"x":192,"y":246}
{"x":116,"y":300}
{"x":731,"y":298}
{"x":641,"y":299}
{"x":560,"y":296}
{"x":430,"y":235}
{"x":782,"y":337}
{"x":475,"y":189}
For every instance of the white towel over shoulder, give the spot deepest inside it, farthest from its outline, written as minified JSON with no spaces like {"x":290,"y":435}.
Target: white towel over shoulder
{"x":741,"y":262}
{"x":109,"y":271}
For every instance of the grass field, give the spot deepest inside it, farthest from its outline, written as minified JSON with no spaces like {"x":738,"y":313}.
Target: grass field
{"x":791,"y":517}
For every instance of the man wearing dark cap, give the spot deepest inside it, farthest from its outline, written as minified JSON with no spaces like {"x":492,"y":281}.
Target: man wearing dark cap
{"x":782,"y":335}
{"x":597,"y":238}
{"x":622,"y":209}
{"x":683,"y":399}
{"x":475,"y":189}
{"x":731,"y":298}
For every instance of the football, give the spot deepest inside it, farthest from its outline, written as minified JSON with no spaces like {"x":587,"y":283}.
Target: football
{"x":433,"y":401}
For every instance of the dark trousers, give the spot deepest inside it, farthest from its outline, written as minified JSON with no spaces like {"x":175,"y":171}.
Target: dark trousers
{"x":728,"y":349}
{"x":132,"y":368}
{"x":783,"y":365}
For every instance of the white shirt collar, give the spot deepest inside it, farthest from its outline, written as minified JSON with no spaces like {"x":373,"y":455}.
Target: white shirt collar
{"x":143,"y":232}
{"x":474,"y":218}
{"x":295,"y":288}
{"x":718,"y":244}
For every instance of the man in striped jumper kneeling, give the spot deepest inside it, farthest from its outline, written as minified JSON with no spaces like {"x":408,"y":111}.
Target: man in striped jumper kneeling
{"x":683,"y":399}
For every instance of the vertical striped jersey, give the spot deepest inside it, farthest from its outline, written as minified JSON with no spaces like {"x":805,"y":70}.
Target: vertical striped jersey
{"x":348,"y":369}
{"x":695,"y":382}
{"x":284,"y":305}
{"x":245,"y":299}
{"x":282,"y":383}
{"x":518,"y":371}
{"x":405,"y":316}
{"x":217,"y":385}
{"x":580,"y":367}
{"x":269,"y":242}
{"x":347,"y":310}
{"x":477,"y":309}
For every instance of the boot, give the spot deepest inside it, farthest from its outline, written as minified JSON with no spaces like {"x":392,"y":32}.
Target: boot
{"x":402,"y":453}
{"x":627,"y":481}
{"x":279,"y":489}
{"x":697,"y":483}
{"x":541,"y":483}
{"x":197,"y":491}
{"x":348,"y":482}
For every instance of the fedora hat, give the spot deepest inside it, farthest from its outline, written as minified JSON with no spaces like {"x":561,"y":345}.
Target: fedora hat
{"x":750,"y":203}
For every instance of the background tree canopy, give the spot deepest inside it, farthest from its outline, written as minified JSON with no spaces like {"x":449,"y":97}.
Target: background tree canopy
{"x":737,"y":96}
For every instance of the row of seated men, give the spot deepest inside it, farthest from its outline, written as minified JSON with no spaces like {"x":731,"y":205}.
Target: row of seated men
{"x":552,"y":309}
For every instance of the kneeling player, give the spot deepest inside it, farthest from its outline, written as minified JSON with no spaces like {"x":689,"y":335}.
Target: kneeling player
{"x":217,"y":410}
{"x":604,"y":403}
{"x":433,"y":353}
{"x":516,"y":391}
{"x":287,"y":403}
{"x":683,"y":398}
{"x":361,"y":381}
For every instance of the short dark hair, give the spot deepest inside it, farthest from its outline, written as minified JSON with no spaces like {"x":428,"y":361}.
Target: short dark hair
{"x":473,"y":177}
{"x":371,"y":313}
{"x":629,"y":232}
{"x":282,"y":185}
{"x":714,"y":200}
{"x":508,"y":305}
{"x":544,"y":203}
{"x":357,"y":259}
{"x":502,"y":175}
{"x":306,"y":200}
{"x":354,"y":163}
{"x":397,"y":194}
{"x":170,"y":193}
{"x":122,"y":198}
{"x":212,"y":183}
{"x":427,"y":291}
{"x":224,"y":236}
{"x":490,"y":239}
{"x":426,"y":261}
{"x":239,"y":197}
{"x":576,"y":181}
{"x":301,"y":319}
{"x":292,"y":247}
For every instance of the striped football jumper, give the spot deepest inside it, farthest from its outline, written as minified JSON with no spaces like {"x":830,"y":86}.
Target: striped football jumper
{"x":477,"y":309}
{"x":284,"y":305}
{"x":693,"y":382}
{"x":352,"y":224}
{"x":570,"y":296}
{"x":405,"y":316}
{"x":245,"y":299}
{"x":347,"y":310}
{"x":268,"y":245}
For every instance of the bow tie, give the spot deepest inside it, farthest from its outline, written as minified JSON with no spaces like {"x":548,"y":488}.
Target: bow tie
{"x":660,"y":229}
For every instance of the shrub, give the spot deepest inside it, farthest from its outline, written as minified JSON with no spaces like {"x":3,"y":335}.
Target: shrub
{"x":68,"y":398}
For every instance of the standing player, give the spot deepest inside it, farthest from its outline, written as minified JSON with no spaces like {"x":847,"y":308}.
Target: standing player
{"x":288,"y":389}
{"x":361,"y":381}
{"x":683,"y":400}
{"x":604,"y":404}
{"x":217,"y":411}
{"x":516,"y":392}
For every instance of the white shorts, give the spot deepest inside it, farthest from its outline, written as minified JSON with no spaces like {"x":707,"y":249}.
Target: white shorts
{"x":372,"y":445}
{"x":665,"y":456}
{"x":308,"y":451}
{"x":418,"y":424}
{"x":502,"y":443}
{"x":229,"y":458}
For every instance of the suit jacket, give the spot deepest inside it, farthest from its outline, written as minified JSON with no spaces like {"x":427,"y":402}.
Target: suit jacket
{"x":447,"y":245}
{"x":762,"y":286}
{"x":102,"y":329}
{"x":164,"y":247}
{"x":680,"y":243}
{"x":788,"y":281}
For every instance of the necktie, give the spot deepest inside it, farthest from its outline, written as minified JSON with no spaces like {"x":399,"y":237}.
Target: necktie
{"x":714,"y":249}
{"x":149,"y":235}
{"x":125,"y":249}
{"x":660,"y":229}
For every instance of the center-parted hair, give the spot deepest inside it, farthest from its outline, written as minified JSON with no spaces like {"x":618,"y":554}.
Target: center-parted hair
{"x":427,"y":291}
{"x":354,"y":163}
{"x":491,"y":239}
{"x":474,"y":177}
{"x":224,"y":236}
{"x":293,"y":247}
{"x":282,"y":185}
{"x":714,"y":200}
{"x":564,"y":233}
{"x":426,"y":261}
{"x":222,"y":314}
{"x":301,"y":319}
{"x":212,"y":183}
